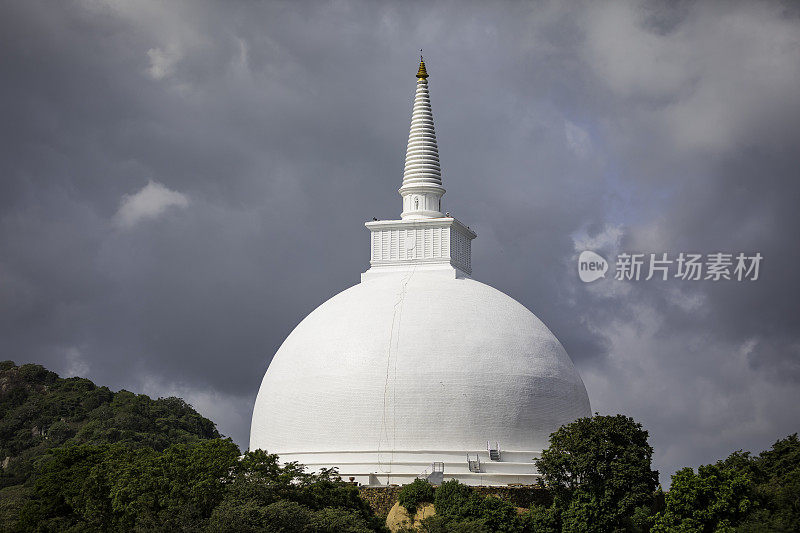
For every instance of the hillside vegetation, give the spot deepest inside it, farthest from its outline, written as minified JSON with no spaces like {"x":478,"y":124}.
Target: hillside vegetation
{"x":75,"y":457}
{"x":40,"y":411}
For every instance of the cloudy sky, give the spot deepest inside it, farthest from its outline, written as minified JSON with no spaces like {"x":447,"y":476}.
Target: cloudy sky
{"x":182,"y":182}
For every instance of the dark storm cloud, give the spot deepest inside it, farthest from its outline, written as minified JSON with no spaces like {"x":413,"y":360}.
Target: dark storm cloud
{"x":271,"y":132}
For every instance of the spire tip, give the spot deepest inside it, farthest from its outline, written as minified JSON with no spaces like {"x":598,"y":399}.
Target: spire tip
{"x":421,"y":73}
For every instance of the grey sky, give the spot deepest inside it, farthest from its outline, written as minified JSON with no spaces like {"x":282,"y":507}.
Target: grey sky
{"x":182,"y":182}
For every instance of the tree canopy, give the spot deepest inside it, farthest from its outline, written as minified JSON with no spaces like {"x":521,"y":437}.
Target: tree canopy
{"x":599,"y":472}
{"x":741,"y":493}
{"x":187,"y":487}
{"x":460,"y":509}
{"x":40,"y":411}
{"x":77,"y":457}
{"x":84,"y":458}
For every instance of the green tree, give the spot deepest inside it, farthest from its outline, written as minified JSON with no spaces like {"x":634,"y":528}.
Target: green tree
{"x":40,"y":411}
{"x":496,"y":514}
{"x":414,"y":493}
{"x":60,"y":493}
{"x":336,"y":520}
{"x":451,"y":498}
{"x":119,"y":488}
{"x":442,"y":524}
{"x":541,"y":519}
{"x":713,"y":499}
{"x":459,"y":508}
{"x":599,"y":472}
{"x":741,"y":493}
{"x":175,"y":490}
{"x":84,"y":458}
{"x":776,"y":473}
{"x":263,"y":491}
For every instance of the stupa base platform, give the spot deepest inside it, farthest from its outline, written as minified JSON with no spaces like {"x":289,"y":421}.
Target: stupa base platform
{"x":399,"y":467}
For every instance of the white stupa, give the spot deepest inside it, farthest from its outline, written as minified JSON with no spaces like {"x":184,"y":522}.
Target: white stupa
{"x":418,"y":370}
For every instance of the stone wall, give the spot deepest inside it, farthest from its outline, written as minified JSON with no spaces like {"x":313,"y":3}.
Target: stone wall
{"x":381,"y":499}
{"x":519,"y":496}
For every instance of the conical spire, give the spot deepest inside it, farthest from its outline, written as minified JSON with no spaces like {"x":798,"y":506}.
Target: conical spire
{"x":425,"y":239}
{"x":422,"y":178}
{"x":422,"y":73}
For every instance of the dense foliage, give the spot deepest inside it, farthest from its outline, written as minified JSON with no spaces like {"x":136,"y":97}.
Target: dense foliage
{"x":120,"y":488}
{"x":77,"y":457}
{"x":199,"y":487}
{"x":39,"y":411}
{"x":451,"y":497}
{"x":263,"y":495}
{"x":712,"y":499}
{"x":598,"y":470}
{"x":741,"y":493}
{"x":83,"y":458}
{"x":413,"y":494}
{"x":459,"y":509}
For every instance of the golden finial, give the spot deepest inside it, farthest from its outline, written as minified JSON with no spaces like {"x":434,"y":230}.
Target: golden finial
{"x":422,"y":73}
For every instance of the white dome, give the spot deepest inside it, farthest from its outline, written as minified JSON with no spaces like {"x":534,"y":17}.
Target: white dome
{"x":409,"y":368}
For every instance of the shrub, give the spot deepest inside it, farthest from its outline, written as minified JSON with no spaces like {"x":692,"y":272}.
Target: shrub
{"x":335,"y":520}
{"x":713,"y":499}
{"x":59,"y":432}
{"x":496,"y":514}
{"x":415,"y":493}
{"x":542,"y":519}
{"x":458,"y":508}
{"x":451,"y":497}
{"x":36,"y":374}
{"x":599,"y":472}
{"x":249,"y":517}
{"x":440,"y":524}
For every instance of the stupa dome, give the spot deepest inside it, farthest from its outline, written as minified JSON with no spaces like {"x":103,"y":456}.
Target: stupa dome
{"x":418,"y":370}
{"x":406,"y":363}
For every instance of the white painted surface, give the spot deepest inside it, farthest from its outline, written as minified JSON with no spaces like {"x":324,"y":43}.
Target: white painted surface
{"x":430,"y":241}
{"x":416,"y":361}
{"x":422,"y":189}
